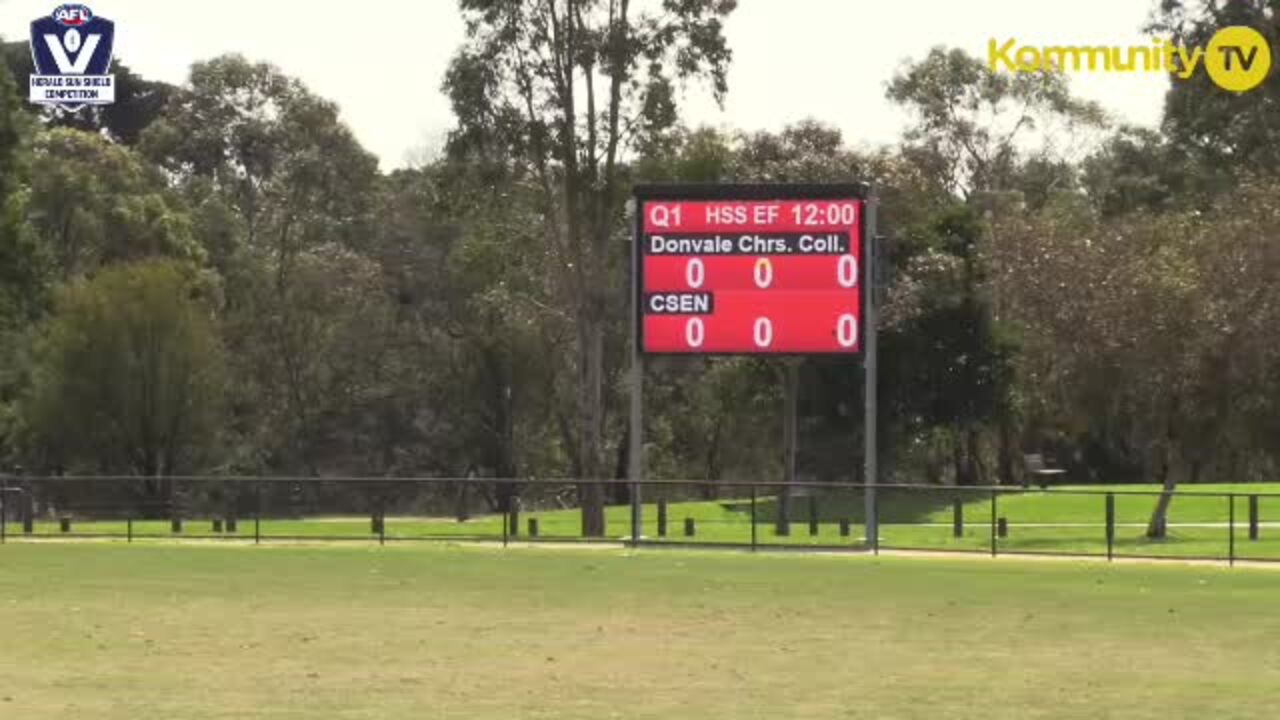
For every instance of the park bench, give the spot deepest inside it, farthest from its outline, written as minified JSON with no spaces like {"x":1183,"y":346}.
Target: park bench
{"x":1034,"y":467}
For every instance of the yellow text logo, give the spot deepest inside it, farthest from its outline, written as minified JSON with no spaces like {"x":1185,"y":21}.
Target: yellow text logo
{"x":1237,"y":58}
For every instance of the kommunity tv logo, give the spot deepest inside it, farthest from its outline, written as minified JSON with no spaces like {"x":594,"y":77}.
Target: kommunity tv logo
{"x":1236,"y":59}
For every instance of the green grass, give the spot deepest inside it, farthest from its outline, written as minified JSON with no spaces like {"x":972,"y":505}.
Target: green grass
{"x":1055,"y":521}
{"x":110,"y":631}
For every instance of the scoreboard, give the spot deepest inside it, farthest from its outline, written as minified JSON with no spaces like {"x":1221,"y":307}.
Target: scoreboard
{"x":750,"y":269}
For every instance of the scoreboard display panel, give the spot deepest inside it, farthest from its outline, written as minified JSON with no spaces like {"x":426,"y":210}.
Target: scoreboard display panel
{"x":750,"y":270}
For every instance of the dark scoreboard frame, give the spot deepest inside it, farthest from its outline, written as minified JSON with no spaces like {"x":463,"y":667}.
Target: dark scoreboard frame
{"x":645,"y":193}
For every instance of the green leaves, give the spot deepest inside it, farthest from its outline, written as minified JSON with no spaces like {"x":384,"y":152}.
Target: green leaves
{"x":1228,"y":134}
{"x":127,"y":373}
{"x":93,"y":202}
{"x":971,"y":119}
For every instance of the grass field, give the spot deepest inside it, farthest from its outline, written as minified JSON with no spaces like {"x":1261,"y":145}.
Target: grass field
{"x":110,"y":631}
{"x":1069,"y":520}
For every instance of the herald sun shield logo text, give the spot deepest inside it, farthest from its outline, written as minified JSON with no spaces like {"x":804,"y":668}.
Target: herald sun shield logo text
{"x":71,"y":49}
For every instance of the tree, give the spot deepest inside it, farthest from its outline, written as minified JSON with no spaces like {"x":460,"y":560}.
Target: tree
{"x":507,"y":335}
{"x":565,"y":88}
{"x":93,"y":202}
{"x":1227,"y":133}
{"x":21,"y":271}
{"x":1139,"y":169}
{"x":280,"y":188}
{"x":972,"y":127}
{"x":23,"y":267}
{"x":128,"y":373}
{"x":970,"y":119}
{"x":1147,"y":337}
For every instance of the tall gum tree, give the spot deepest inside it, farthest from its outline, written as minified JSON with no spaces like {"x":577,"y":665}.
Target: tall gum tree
{"x":282,"y":189}
{"x":567,"y":89}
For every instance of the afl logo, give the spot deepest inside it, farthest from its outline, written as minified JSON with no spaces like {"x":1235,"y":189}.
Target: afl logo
{"x":71,"y":51}
{"x":72,"y":15}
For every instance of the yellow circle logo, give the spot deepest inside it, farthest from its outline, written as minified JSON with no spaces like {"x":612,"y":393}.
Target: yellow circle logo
{"x":1238,"y":58}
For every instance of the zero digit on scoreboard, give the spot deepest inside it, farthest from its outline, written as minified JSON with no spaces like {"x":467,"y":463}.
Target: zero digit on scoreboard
{"x":695,"y":273}
{"x":762,"y":333}
{"x":694,"y":332}
{"x":847,"y":330}
{"x":847,"y":271}
{"x":763,"y":273}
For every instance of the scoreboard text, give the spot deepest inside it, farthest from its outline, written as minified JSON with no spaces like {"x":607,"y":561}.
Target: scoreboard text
{"x":750,"y":276}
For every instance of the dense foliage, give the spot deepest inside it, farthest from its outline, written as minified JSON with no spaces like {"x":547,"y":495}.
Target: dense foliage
{"x":217,"y":277}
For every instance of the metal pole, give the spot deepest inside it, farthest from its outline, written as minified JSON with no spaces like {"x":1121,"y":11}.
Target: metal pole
{"x":635,"y":434}
{"x":1253,"y":517}
{"x":257,"y":511}
{"x":635,"y":446}
{"x":875,"y":538}
{"x":4,"y":507}
{"x":1231,"y":530}
{"x":869,"y":367}
{"x":993,"y":523}
{"x":28,"y":506}
{"x":753,"y":518}
{"x":1111,"y":526}
{"x":790,"y":401}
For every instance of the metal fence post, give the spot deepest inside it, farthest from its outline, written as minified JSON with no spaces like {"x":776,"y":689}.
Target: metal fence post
{"x":636,"y":515}
{"x":128,"y":527}
{"x":753,"y":518}
{"x":506,"y":520}
{"x":4,"y":508}
{"x":1231,"y":530}
{"x":993,"y":522}
{"x":957,"y":518}
{"x":1111,"y":525}
{"x":28,"y":505}
{"x":382,"y":519}
{"x":813,"y":515}
{"x":1253,"y":517}
{"x":874,"y":524}
{"x":257,"y":511}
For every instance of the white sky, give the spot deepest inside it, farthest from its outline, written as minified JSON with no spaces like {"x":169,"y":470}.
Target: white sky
{"x":828,"y":59}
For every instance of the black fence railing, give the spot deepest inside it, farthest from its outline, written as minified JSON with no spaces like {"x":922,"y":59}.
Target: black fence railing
{"x":1105,"y":522}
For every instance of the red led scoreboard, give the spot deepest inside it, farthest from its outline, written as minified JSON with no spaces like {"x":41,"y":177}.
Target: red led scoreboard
{"x":750,"y":269}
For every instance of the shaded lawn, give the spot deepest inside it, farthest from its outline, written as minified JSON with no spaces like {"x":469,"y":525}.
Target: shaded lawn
{"x":111,"y":631}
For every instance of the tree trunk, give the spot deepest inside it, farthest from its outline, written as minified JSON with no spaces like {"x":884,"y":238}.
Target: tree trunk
{"x":1156,"y":526}
{"x":1005,"y":468}
{"x":590,"y":414}
{"x":620,"y":493}
{"x":1159,"y":516}
{"x":973,"y":456}
{"x":502,"y":450}
{"x":959,"y":466}
{"x":791,"y":391}
{"x":711,"y":489}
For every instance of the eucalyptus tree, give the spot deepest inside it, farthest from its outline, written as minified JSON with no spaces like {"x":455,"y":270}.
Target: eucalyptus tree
{"x":567,"y":90}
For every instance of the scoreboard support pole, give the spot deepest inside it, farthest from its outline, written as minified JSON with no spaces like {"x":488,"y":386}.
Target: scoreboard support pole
{"x":635,"y":429}
{"x":869,"y":318}
{"x":635,"y":451}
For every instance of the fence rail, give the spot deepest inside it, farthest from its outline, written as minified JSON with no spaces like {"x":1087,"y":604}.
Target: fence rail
{"x":1112,"y":522}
